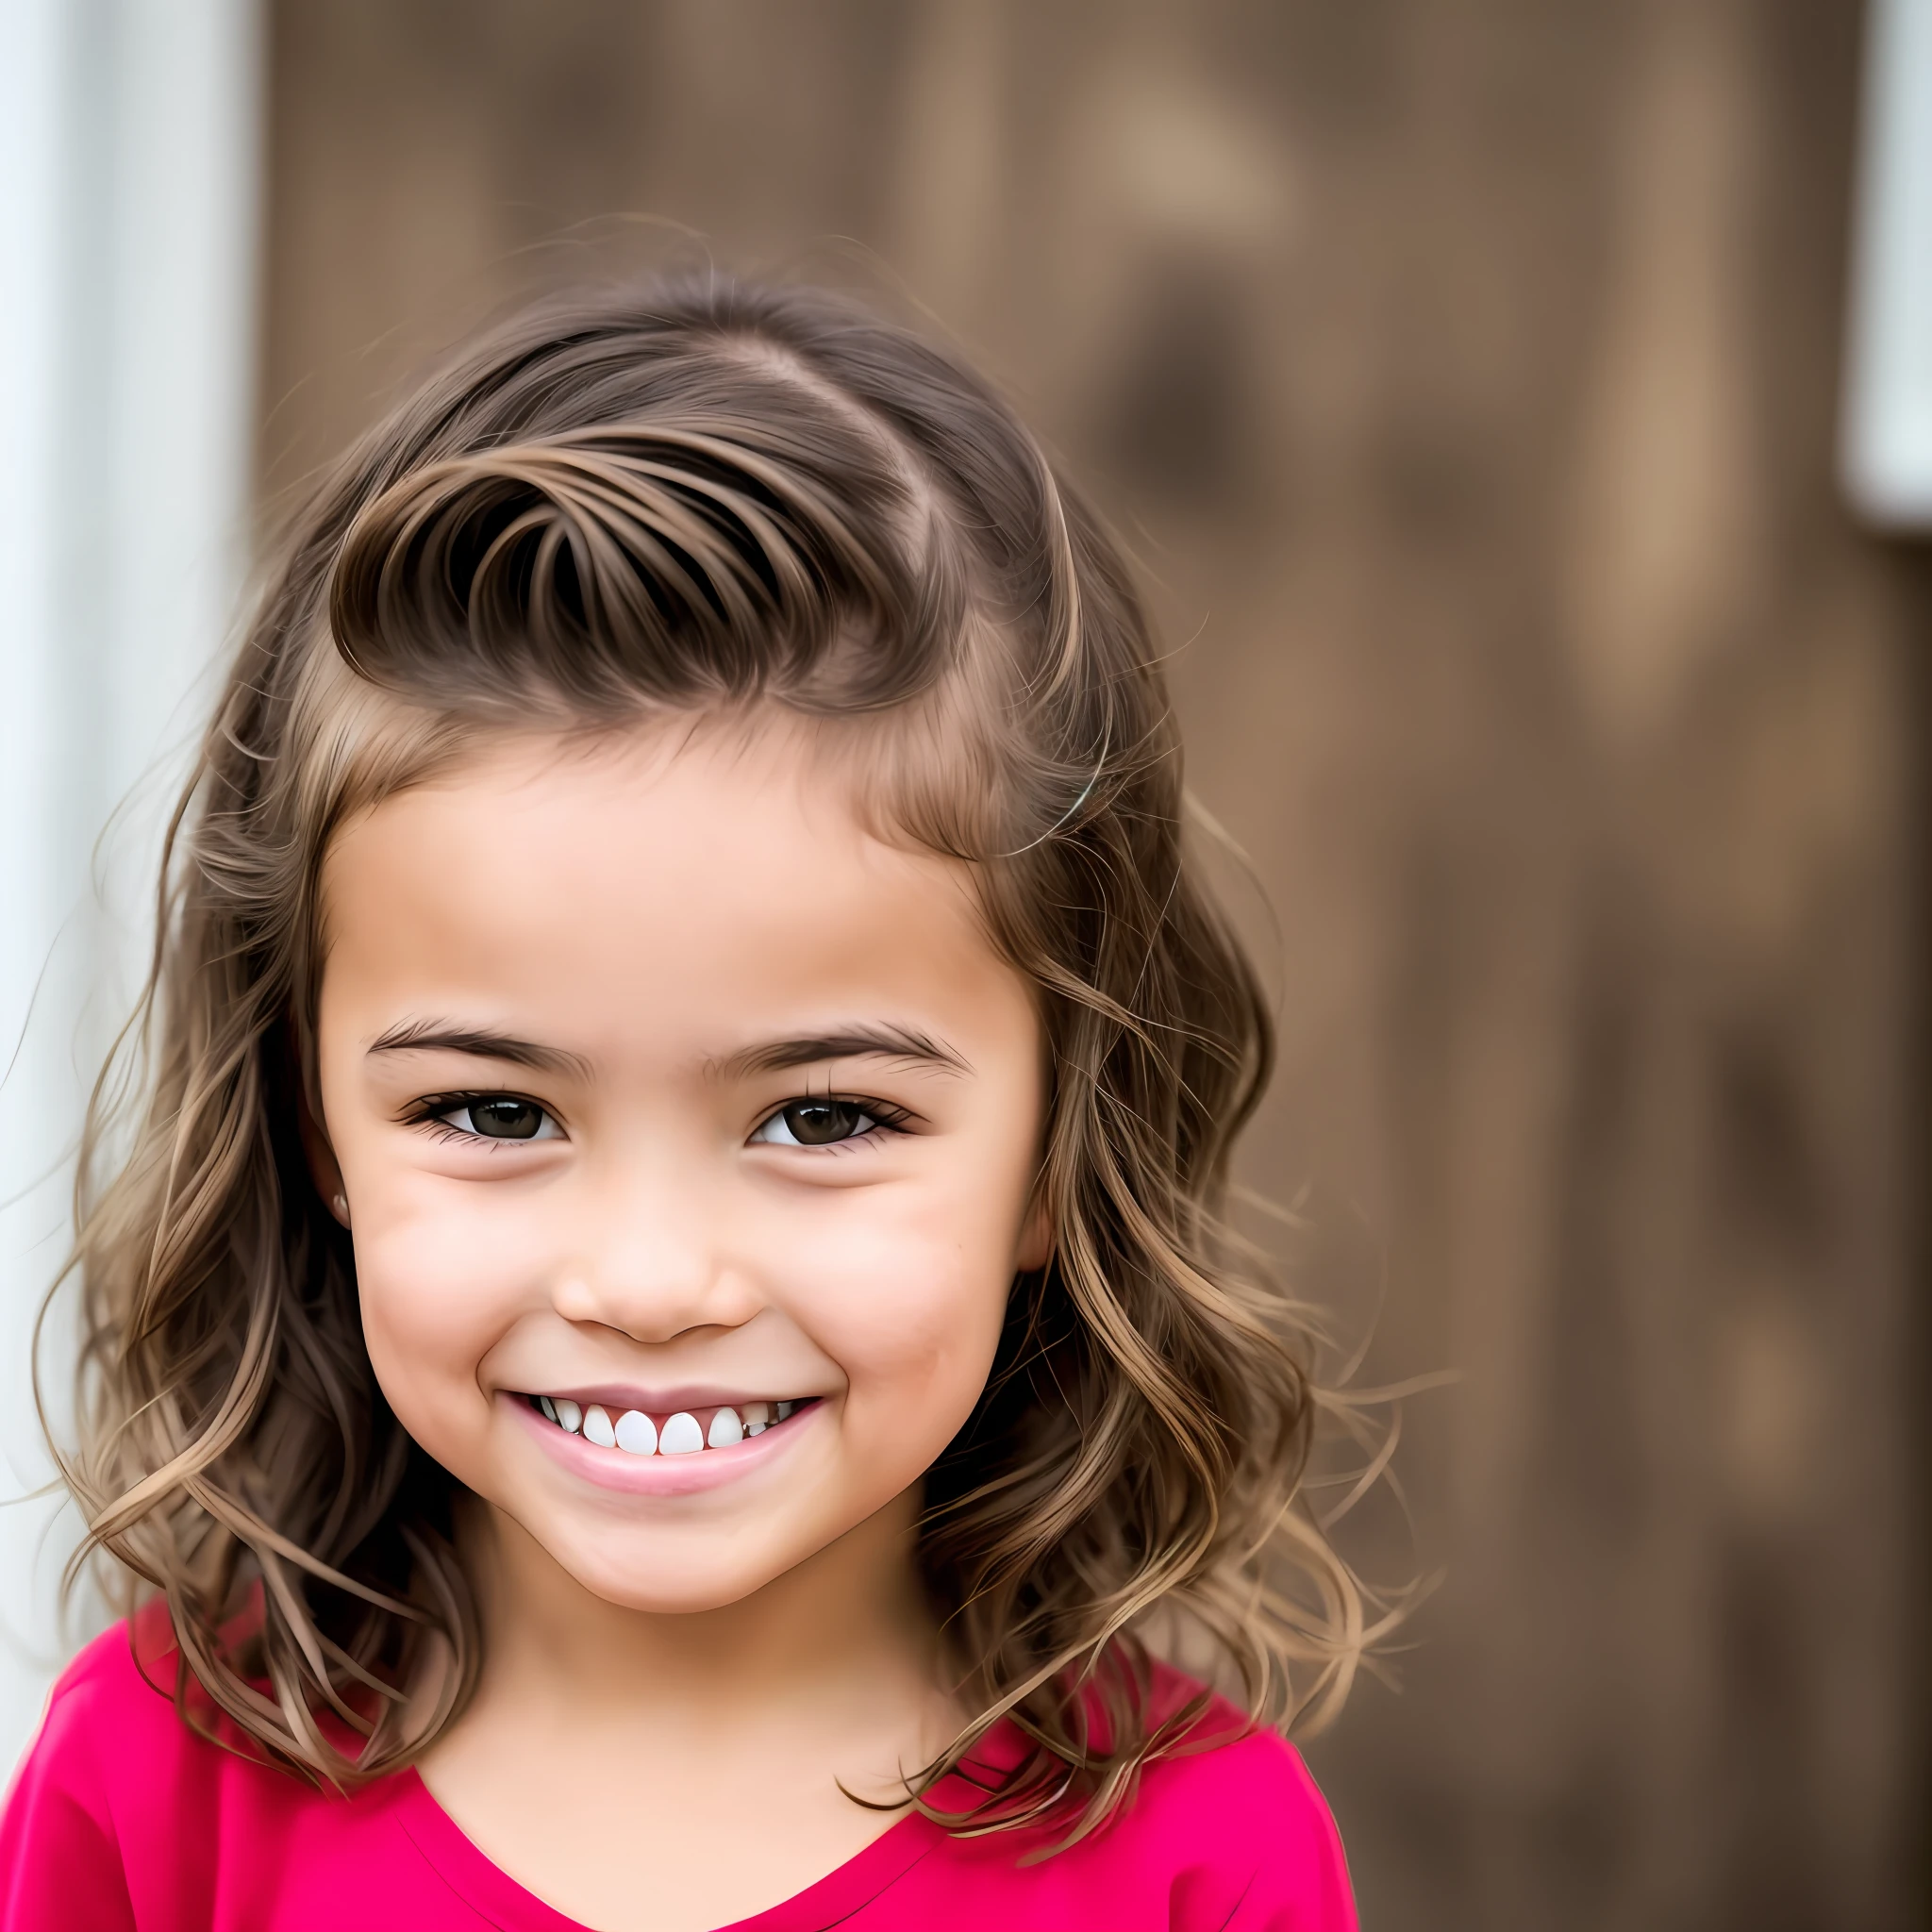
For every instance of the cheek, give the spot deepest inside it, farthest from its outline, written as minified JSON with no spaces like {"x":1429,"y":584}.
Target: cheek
{"x":909,"y":1307}
{"x":909,"y":1293}
{"x":436,"y":1295}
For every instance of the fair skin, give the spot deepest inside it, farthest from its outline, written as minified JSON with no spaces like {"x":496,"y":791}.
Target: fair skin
{"x":654,"y":1083}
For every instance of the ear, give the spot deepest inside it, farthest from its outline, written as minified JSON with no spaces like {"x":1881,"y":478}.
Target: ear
{"x":323,"y":1168}
{"x":1037,"y":1237}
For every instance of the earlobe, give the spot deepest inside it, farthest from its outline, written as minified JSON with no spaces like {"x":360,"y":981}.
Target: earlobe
{"x":1036,"y":1239}
{"x":324,"y":1169}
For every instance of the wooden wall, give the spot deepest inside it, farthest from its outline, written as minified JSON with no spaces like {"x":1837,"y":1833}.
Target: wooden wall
{"x":1466,"y":369}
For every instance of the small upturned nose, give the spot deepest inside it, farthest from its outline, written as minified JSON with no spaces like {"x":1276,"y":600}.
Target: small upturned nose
{"x":652,"y":1269}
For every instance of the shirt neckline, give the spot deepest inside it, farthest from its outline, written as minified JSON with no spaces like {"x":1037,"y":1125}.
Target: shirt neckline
{"x":497,"y":1898}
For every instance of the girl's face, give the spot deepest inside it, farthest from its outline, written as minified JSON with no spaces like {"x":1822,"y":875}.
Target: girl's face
{"x":665,"y":1096}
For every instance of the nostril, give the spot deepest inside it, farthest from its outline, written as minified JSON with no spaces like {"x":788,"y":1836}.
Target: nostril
{"x":652,"y":1297}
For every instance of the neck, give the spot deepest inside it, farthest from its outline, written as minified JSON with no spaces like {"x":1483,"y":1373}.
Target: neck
{"x":843,"y":1633}
{"x":670,"y":1771}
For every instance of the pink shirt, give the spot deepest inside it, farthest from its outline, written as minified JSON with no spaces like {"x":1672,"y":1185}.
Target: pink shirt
{"x":122,"y":1818}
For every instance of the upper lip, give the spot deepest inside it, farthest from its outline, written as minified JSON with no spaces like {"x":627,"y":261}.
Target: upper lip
{"x":622,"y":1395}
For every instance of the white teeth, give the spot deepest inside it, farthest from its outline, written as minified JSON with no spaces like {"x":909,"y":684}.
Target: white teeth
{"x":637,"y":1433}
{"x":681,"y":1436}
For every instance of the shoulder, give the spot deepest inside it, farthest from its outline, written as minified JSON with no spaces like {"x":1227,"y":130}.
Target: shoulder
{"x":1233,"y":1818}
{"x":119,"y":1691}
{"x":113,"y":1747}
{"x":102,"y":1694}
{"x":111,"y":1742}
{"x":1239,"y":1787}
{"x":1225,"y":1831}
{"x":124,"y":1815}
{"x":104,"y":1750}
{"x":105,"y":1676}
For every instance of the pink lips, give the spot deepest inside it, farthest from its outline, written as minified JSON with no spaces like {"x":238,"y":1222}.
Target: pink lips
{"x":660,"y":1475}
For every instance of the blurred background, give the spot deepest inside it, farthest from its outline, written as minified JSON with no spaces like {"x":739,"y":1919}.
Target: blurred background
{"x":1467,"y":375}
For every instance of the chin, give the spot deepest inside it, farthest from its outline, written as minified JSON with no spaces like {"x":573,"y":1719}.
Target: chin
{"x":675,"y":1581}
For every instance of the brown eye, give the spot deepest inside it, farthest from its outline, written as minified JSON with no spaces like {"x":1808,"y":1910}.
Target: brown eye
{"x":504,"y":1119}
{"x":814,"y":1123}
{"x":507,"y":1120}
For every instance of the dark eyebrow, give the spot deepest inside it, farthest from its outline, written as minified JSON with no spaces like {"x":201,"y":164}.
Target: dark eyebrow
{"x":481,"y":1042}
{"x":849,"y":1043}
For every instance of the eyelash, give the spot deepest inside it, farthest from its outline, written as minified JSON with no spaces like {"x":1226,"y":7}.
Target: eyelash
{"x":429,"y":1111}
{"x":884,"y":1116}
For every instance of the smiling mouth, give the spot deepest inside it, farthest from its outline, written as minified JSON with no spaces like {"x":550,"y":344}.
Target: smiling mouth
{"x":681,"y":1432}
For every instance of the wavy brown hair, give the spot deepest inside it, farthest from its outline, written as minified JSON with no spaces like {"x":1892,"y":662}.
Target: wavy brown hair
{"x":693,"y":498}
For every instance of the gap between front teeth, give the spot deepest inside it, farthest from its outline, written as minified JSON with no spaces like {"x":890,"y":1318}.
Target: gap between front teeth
{"x":636,"y":1434}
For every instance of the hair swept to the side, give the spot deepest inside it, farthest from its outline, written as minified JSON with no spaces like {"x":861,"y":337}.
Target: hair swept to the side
{"x":688,"y":497}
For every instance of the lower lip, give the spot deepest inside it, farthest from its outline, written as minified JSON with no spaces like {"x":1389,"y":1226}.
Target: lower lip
{"x":663,"y":1476}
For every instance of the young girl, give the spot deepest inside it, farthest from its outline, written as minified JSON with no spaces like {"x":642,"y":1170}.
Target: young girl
{"x":661,"y":1351}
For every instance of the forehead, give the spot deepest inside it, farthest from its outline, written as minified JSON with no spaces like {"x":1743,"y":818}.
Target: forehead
{"x":671,"y":879}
